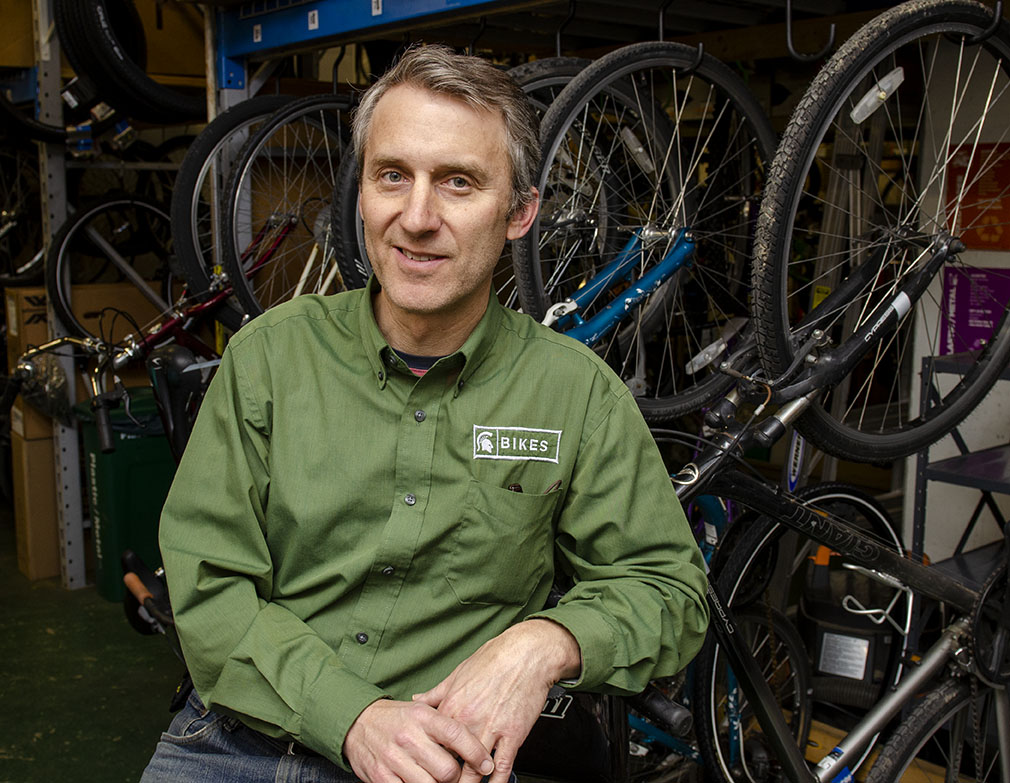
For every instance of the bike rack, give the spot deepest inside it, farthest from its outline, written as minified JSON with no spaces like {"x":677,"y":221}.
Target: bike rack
{"x":662,"y":27}
{"x":562,"y":26}
{"x":997,"y":16}
{"x":480,"y":31}
{"x":804,"y":58}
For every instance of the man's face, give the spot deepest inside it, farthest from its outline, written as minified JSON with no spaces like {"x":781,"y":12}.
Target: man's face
{"x":435,"y":192}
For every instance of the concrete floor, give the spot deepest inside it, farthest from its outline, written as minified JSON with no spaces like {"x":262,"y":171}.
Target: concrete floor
{"x":83,"y":696}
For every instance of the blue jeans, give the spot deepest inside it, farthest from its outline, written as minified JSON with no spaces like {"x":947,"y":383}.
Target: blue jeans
{"x":204,"y":746}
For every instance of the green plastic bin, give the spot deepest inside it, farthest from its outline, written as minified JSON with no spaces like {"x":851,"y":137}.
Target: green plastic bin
{"x":127,"y":488}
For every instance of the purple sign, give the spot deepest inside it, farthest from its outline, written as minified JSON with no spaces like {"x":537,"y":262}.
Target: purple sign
{"x":973,"y":301}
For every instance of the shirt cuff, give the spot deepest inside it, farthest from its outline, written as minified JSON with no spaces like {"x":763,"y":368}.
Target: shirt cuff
{"x":334,"y":706}
{"x":594,"y":636}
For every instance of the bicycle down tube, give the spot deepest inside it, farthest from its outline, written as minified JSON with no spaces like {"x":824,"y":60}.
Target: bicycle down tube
{"x":594,"y":329}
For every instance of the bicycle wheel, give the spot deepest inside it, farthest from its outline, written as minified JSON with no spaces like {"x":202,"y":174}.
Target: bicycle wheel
{"x":784,"y":662}
{"x":277,"y":227}
{"x":197,"y":193}
{"x":20,"y":216}
{"x":946,"y":737}
{"x":105,"y":40}
{"x":120,"y":240}
{"x":541,"y":80}
{"x":646,"y":142}
{"x":840,"y":614}
{"x":907,"y":124}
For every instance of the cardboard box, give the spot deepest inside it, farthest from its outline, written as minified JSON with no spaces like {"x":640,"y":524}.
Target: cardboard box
{"x":17,"y":47}
{"x":35,"y":517}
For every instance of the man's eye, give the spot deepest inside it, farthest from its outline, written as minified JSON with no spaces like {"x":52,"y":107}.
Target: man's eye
{"x":393,"y":176}
{"x":459,"y":182}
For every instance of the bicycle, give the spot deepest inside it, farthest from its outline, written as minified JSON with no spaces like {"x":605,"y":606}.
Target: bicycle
{"x":893,"y":232}
{"x":653,"y":161}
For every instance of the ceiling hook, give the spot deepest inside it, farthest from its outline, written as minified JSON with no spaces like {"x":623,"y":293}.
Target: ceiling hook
{"x":336,"y":67}
{"x":997,"y":15}
{"x":480,"y":31}
{"x":804,"y":58}
{"x":564,"y":24}
{"x":662,"y":18}
{"x":697,"y":61}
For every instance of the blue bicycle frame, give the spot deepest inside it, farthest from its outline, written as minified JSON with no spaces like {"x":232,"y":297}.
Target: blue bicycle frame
{"x":591,"y":331}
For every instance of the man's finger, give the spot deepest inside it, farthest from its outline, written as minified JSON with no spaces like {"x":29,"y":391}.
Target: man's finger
{"x":456,"y":737}
{"x":504,"y":759}
{"x":432,"y":697}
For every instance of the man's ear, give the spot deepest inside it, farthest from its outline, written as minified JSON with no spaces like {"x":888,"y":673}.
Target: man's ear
{"x":523,"y":219}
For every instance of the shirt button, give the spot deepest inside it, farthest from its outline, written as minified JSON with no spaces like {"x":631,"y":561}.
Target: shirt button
{"x":410,"y":500}
{"x":388,"y":571}
{"x":361,"y":637}
{"x":419,"y":415}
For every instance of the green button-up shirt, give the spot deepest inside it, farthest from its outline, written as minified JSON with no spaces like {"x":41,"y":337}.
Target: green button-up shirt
{"x":341,"y":530}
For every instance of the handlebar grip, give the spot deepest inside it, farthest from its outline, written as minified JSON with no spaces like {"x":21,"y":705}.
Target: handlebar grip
{"x":136,"y":586}
{"x":104,"y":425}
{"x":655,"y":705}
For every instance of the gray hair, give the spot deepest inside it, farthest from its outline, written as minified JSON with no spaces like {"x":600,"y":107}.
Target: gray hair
{"x":479,"y":85}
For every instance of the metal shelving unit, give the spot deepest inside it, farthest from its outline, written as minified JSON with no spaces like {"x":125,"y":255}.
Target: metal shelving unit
{"x":52,"y":163}
{"x":987,"y":470}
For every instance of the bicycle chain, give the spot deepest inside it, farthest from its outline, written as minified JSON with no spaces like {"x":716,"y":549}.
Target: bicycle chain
{"x":996,"y":674}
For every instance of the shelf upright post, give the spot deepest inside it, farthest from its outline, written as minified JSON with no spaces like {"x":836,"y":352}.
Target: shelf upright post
{"x":52,"y":171}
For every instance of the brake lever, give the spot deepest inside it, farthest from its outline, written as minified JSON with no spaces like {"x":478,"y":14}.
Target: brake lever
{"x":124,"y":395}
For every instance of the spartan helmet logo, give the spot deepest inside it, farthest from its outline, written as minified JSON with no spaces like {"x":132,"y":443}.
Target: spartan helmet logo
{"x":485,"y":442}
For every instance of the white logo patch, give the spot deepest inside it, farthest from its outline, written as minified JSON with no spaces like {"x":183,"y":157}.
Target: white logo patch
{"x":516,"y":443}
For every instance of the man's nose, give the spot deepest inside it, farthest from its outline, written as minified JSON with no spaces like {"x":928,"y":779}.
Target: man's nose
{"x":420,"y":212}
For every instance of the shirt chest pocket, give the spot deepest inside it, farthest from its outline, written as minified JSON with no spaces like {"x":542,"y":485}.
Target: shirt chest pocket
{"x":502,"y":546}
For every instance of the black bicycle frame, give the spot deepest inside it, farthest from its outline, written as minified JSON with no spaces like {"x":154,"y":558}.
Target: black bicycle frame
{"x":857,"y":547}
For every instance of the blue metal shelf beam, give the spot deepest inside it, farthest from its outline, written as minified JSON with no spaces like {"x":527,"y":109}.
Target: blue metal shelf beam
{"x":283,"y":25}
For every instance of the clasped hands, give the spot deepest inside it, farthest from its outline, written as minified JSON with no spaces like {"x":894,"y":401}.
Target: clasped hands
{"x":488,"y":704}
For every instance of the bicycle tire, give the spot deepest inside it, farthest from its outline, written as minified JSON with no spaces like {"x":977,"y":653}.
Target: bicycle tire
{"x":277,"y":217}
{"x":203,"y":173}
{"x":937,"y":739}
{"x":102,"y":41}
{"x":138,"y":232}
{"x":348,"y":238}
{"x":541,"y":80}
{"x":870,"y":119}
{"x":766,"y":564}
{"x":650,"y":138}
{"x":29,"y":127}
{"x":784,"y":660}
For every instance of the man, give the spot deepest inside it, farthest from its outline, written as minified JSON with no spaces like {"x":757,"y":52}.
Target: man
{"x":363,"y":532}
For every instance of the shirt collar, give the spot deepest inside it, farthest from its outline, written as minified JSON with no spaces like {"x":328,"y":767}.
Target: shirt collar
{"x":469,"y":356}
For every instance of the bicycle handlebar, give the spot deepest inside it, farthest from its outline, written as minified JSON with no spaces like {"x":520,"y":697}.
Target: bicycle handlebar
{"x":103,"y":423}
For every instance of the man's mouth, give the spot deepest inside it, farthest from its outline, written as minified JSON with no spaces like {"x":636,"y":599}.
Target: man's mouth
{"x":418,"y":256}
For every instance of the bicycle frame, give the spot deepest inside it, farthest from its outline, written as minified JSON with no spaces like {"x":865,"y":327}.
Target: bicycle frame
{"x":591,"y":331}
{"x":863,"y":551}
{"x":815,"y":369}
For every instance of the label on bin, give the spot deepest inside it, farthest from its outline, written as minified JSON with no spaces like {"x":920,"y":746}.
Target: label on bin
{"x":844,"y":656}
